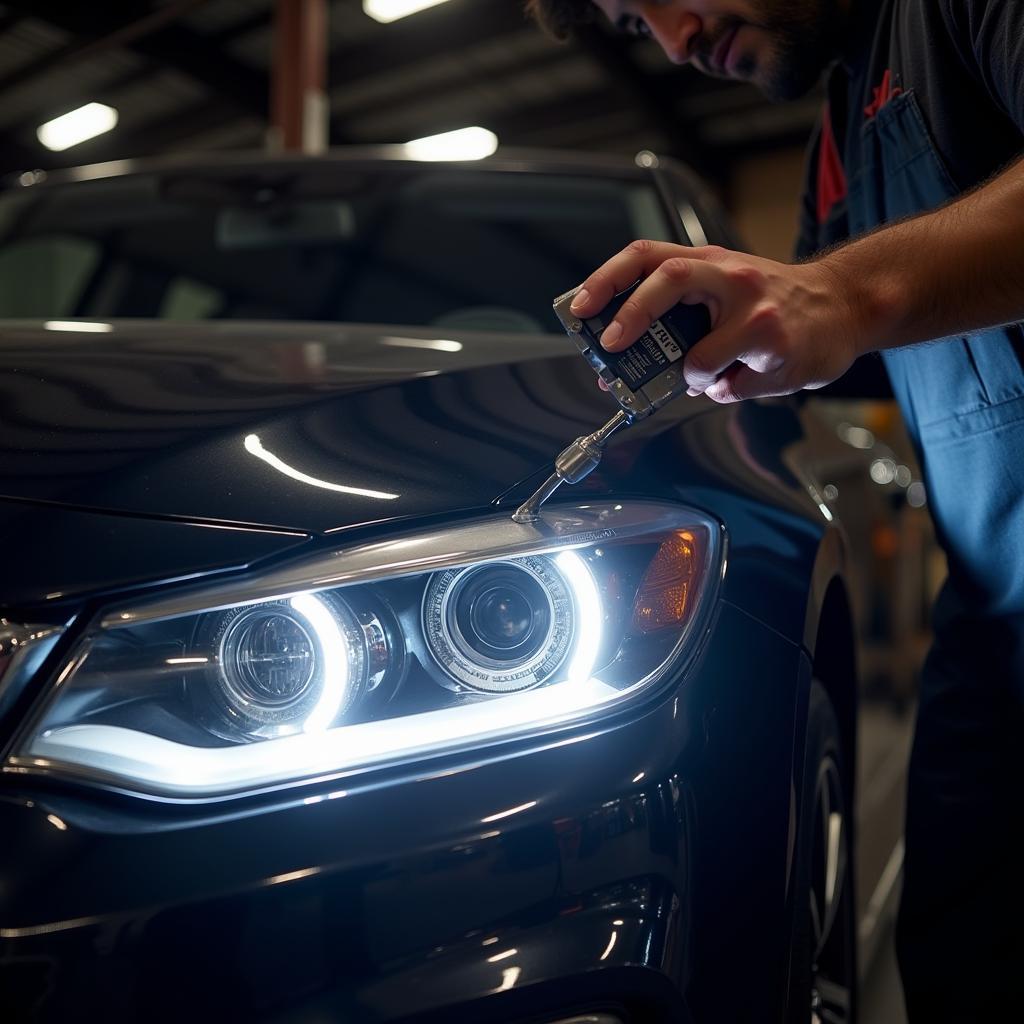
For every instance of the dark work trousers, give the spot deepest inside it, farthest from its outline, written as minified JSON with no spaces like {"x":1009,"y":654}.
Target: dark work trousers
{"x":960,"y":935}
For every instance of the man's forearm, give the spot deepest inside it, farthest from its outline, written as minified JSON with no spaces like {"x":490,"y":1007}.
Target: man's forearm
{"x":777,"y":327}
{"x":957,"y":269}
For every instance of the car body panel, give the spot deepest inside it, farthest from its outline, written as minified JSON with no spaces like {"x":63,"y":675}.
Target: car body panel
{"x":153,"y":419}
{"x":64,"y":553}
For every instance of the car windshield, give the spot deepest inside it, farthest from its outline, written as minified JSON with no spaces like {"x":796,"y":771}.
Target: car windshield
{"x":406,"y":244}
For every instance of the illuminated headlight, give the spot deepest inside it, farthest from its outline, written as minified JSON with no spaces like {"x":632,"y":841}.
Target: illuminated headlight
{"x":381,"y":653}
{"x":281,"y":667}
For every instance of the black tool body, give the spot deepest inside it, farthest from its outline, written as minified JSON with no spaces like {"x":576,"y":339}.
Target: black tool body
{"x":649,"y":373}
{"x":641,"y":378}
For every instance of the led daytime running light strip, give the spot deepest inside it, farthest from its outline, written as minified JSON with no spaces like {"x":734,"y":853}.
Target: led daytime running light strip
{"x":164,"y":766}
{"x":588,"y":615}
{"x":336,"y":661}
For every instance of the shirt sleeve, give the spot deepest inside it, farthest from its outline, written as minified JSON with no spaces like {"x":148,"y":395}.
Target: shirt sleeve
{"x":990,"y":37}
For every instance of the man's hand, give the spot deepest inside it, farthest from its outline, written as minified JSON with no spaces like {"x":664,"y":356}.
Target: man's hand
{"x":775,"y":328}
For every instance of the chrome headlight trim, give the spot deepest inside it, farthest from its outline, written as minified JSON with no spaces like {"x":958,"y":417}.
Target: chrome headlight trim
{"x":410,"y":554}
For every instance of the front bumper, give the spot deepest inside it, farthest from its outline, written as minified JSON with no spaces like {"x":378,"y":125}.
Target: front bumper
{"x":635,"y":869}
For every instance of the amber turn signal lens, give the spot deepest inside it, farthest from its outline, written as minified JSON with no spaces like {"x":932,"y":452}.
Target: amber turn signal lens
{"x":669,"y":587}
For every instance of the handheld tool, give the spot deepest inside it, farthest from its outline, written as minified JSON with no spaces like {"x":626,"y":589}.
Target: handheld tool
{"x":641,"y":378}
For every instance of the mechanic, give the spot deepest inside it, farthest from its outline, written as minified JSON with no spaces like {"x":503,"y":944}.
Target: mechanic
{"x":916,"y":158}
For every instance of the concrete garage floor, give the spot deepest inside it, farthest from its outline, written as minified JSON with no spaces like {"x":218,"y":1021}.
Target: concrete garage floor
{"x":884,"y":748}
{"x":881,"y":998}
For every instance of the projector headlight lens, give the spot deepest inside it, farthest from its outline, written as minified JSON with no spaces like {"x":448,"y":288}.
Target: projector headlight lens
{"x":269,"y":658}
{"x":395,"y":650}
{"x":501,"y":627}
{"x":280,"y":667}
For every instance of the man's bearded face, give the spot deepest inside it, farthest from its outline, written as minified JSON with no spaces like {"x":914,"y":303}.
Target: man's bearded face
{"x":781,"y":46}
{"x":791,"y":43}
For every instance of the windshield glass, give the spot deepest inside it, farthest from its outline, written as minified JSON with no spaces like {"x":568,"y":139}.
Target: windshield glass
{"x":411,"y":244}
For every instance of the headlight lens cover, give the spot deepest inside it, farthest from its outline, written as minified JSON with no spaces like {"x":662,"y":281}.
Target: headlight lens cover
{"x":380,"y":653}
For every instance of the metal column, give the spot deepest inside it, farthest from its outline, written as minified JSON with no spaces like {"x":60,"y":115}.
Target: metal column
{"x":299,"y":108}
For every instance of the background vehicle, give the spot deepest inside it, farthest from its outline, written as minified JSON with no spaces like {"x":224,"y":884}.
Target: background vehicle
{"x":602,"y":765}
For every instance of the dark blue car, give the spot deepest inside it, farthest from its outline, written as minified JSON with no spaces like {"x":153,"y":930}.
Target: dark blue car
{"x":297,"y":724}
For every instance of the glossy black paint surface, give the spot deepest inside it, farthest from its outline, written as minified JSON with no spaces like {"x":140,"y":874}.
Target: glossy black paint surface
{"x":103,"y":426}
{"x":153,"y":419}
{"x":66,"y":551}
{"x":390,"y":894}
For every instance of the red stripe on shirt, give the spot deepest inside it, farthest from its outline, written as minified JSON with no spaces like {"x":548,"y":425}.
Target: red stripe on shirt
{"x":831,"y":176}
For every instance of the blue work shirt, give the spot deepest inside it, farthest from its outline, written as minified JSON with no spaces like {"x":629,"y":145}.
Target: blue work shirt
{"x":927,"y":103}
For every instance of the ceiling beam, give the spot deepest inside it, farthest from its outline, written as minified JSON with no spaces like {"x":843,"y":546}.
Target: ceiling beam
{"x":515,"y":128}
{"x":103,"y":31}
{"x":445,"y":29}
{"x":156,"y":36}
{"x":238,"y":88}
{"x":540,"y":63}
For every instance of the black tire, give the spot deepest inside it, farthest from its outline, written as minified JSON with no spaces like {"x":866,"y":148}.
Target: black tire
{"x":823,"y":964}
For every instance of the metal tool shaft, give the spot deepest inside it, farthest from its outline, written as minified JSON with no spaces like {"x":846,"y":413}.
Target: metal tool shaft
{"x":578,"y":461}
{"x":528,"y":511}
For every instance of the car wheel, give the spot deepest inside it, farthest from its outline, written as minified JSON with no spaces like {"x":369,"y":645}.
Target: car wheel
{"x":823,"y":978}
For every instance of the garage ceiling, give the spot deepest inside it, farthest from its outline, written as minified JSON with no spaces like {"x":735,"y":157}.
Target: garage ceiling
{"x":189,"y":75}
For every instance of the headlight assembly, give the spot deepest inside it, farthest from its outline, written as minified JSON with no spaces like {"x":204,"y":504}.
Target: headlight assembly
{"x":380,"y":653}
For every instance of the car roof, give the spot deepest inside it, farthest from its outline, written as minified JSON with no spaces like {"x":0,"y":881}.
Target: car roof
{"x":536,"y":161}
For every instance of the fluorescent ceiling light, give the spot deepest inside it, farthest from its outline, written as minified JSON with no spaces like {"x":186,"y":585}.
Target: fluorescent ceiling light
{"x":76,"y":126}
{"x":462,"y":144}
{"x":86,"y":326}
{"x":391,"y":10}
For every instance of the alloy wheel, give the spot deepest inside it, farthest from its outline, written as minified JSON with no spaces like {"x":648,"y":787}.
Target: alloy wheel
{"x":831,"y":903}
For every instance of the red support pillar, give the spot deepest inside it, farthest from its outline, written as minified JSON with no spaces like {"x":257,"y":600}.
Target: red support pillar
{"x":298,"y":101}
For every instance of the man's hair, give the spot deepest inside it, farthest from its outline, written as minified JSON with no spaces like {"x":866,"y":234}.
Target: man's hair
{"x":559,"y":17}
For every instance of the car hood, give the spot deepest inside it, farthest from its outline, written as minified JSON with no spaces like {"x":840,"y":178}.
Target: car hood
{"x":308,"y":427}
